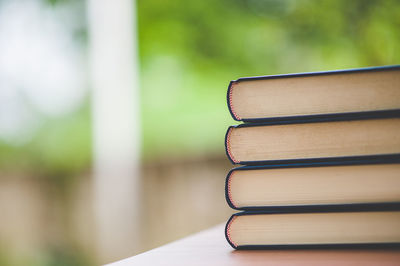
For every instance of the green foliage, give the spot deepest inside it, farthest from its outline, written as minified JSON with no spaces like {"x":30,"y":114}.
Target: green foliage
{"x":190,"y":50}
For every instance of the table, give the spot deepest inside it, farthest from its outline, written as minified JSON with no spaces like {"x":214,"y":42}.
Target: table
{"x":209,"y":247}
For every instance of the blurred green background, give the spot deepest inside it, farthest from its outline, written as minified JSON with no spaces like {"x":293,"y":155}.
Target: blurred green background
{"x":189,"y":51}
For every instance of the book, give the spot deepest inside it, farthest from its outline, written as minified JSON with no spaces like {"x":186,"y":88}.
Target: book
{"x":310,"y":186}
{"x":313,"y":230}
{"x":317,"y":141}
{"x":347,"y":93}
{"x":322,"y":160}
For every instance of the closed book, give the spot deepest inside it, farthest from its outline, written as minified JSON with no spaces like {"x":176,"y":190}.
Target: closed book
{"x":347,"y":93}
{"x":314,"y":229}
{"x":310,"y":186}
{"x":318,"y":141}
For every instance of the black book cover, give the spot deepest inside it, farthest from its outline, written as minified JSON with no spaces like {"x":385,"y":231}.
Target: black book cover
{"x":317,"y":117}
{"x":372,"y":115}
{"x":377,"y":207}
{"x":352,"y":206}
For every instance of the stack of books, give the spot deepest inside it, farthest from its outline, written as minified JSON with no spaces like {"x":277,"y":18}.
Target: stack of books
{"x":321,"y":156}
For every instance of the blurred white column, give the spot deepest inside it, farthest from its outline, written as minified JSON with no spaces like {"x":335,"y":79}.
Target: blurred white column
{"x":115,"y":114}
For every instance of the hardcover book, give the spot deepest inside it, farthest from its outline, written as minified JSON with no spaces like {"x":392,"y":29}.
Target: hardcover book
{"x":322,"y":156}
{"x":316,"y":230}
{"x":359,"y":185}
{"x":347,"y":93}
{"x":323,"y":141}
